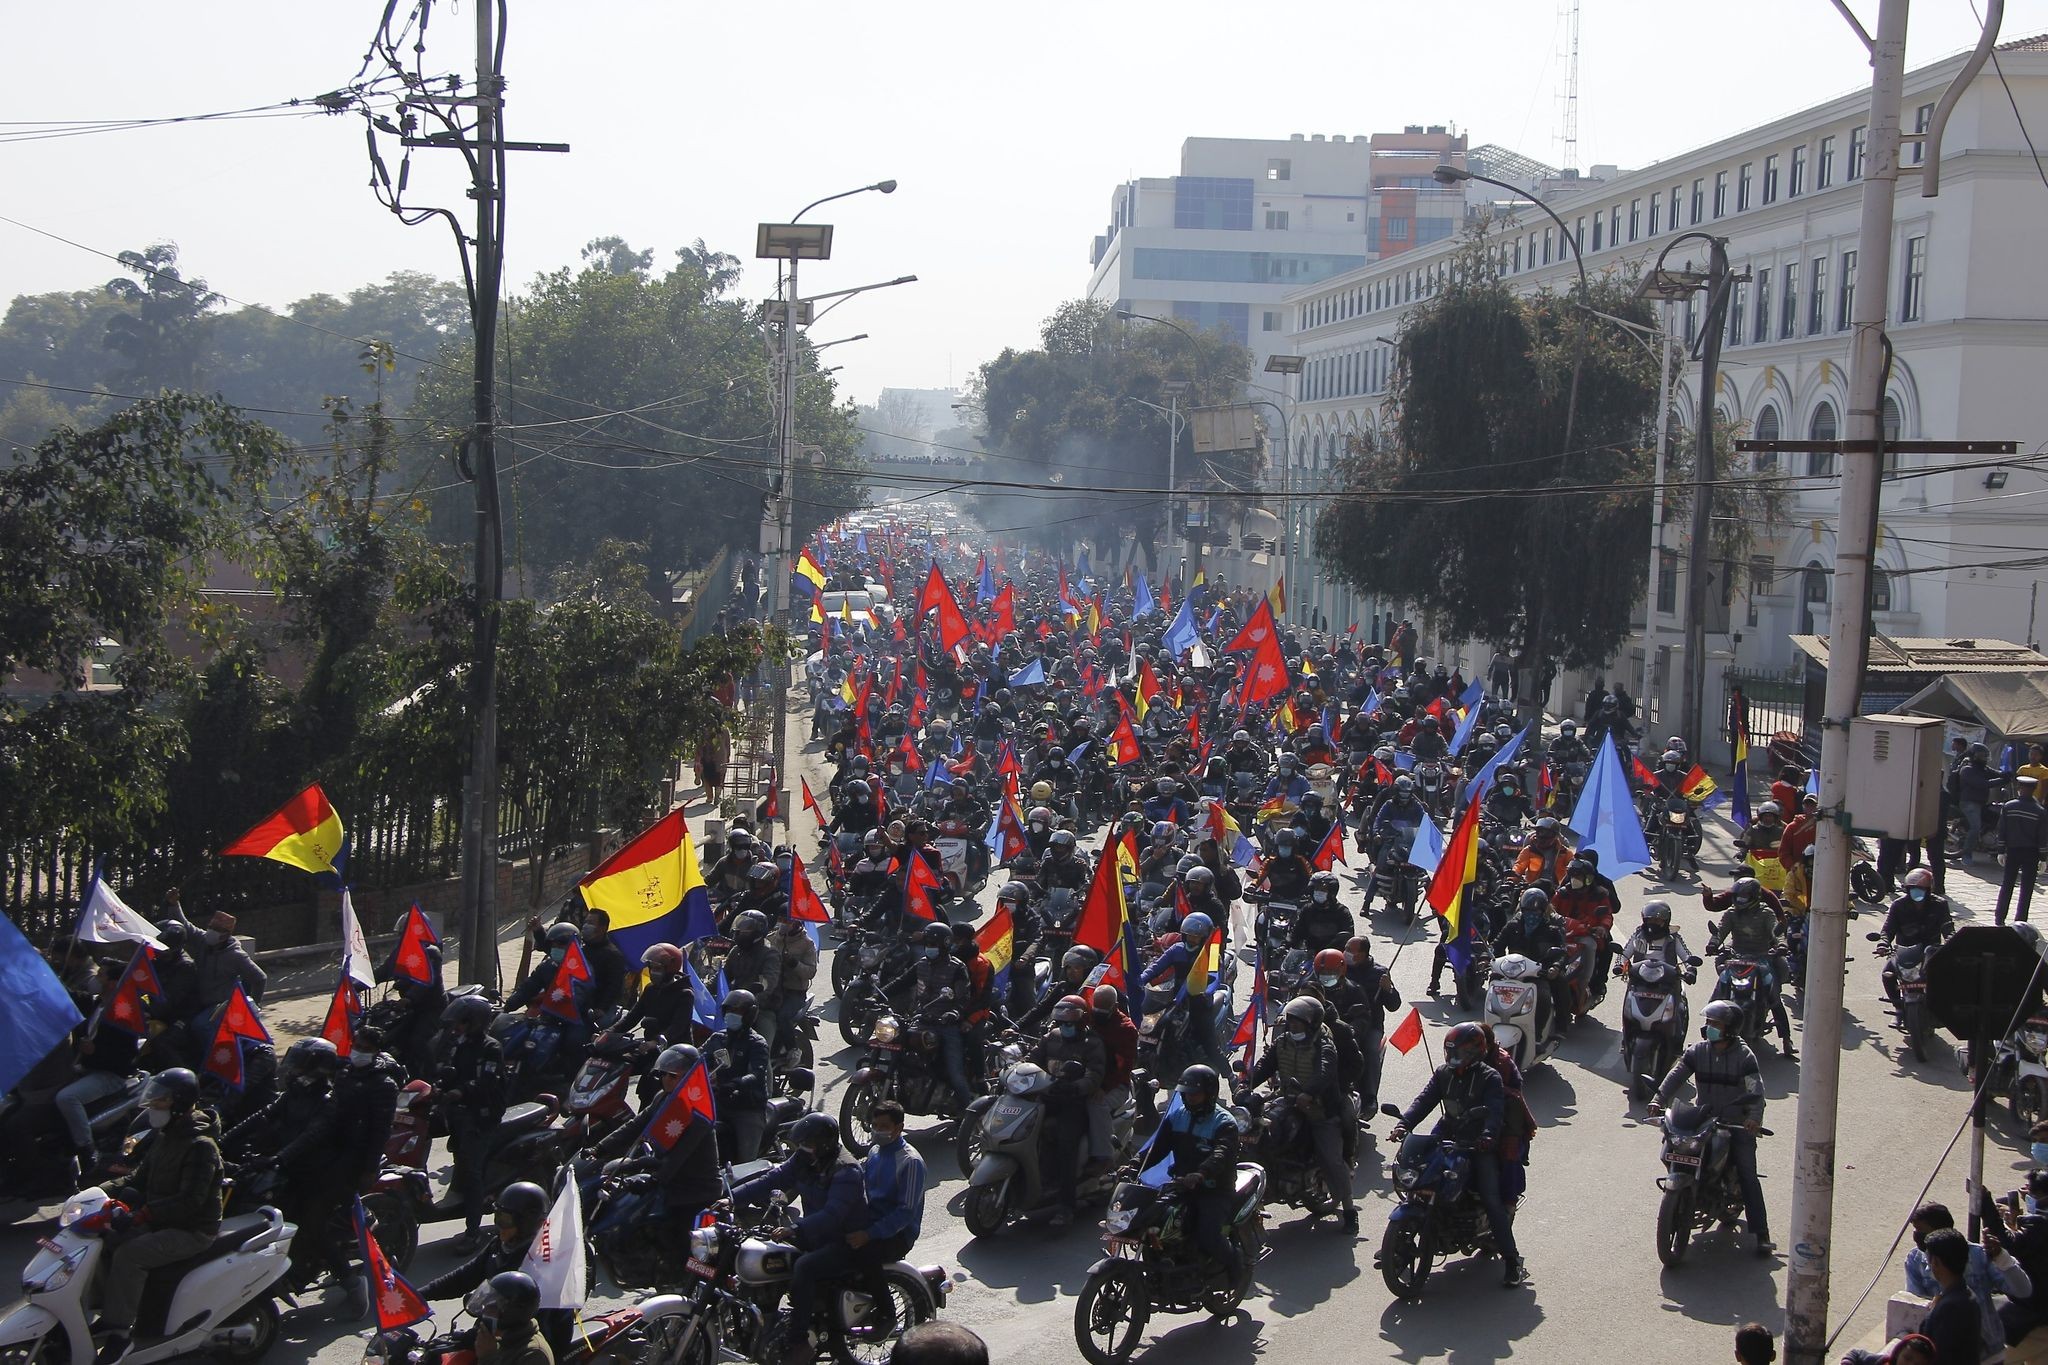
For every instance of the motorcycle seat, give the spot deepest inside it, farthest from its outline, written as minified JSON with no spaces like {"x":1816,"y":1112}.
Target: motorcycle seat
{"x":1249,"y":1176}
{"x":162,"y":1282}
{"x":523,"y":1115}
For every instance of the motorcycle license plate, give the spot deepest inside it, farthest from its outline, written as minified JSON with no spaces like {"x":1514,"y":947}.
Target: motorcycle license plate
{"x":49,"y":1246}
{"x":1681,"y":1159}
{"x":701,"y":1270}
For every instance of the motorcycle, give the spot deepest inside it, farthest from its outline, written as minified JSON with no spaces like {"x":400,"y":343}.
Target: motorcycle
{"x":1397,"y":881}
{"x":525,"y":1147}
{"x":1153,"y":1266}
{"x":396,"y":1200}
{"x":1654,"y":1020}
{"x":1279,"y":1139}
{"x":221,"y":1301}
{"x":1742,"y":981}
{"x":1905,"y":976}
{"x":600,"y":1098}
{"x":1678,"y":837}
{"x":863,"y":1000}
{"x":1009,"y":1182}
{"x":902,"y":1064}
{"x":1433,"y":785}
{"x":1439,"y":1213}
{"x":1478,"y":968}
{"x":35,"y":1147}
{"x":1701,"y":1186}
{"x":2020,"y":1069}
{"x":638,"y":1335}
{"x":1513,"y":1003}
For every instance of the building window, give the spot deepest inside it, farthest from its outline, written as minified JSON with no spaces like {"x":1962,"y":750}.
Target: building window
{"x":1813,"y":592}
{"x":1880,"y":590}
{"x":1578,"y":242}
{"x":1845,"y":308}
{"x":1742,"y":181}
{"x":1269,"y":322}
{"x":1795,"y":174}
{"x":1738,"y":308}
{"x":1760,"y":576}
{"x":1596,"y":232}
{"x":1720,"y":194}
{"x":1763,"y":306}
{"x":1817,"y":298}
{"x":1699,"y":200}
{"x":1279,"y":168}
{"x":1824,"y":168}
{"x":1854,"y":170}
{"x":1913,"y":288}
{"x":1788,"y":311}
{"x":1888,"y":419}
{"x":1667,"y":581}
{"x":1916,"y":152}
{"x":1276,"y":220}
{"x":1517,"y":265}
{"x":1614,"y":226}
{"x":1766,"y":430}
{"x":1771,"y":179}
{"x":1653,"y":214}
{"x":1672,"y":221}
{"x":1635,"y":218}
{"x":1546,"y":244}
{"x":1692,"y":318}
{"x":1820,"y":464}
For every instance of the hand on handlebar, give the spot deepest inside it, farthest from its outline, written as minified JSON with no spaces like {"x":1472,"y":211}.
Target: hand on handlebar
{"x":1654,"y":1109}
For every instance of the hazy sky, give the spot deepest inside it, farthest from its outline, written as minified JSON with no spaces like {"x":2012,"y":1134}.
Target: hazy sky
{"x":1006,"y":124}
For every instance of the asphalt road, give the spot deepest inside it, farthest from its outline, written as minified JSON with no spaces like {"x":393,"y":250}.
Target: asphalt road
{"x":1596,"y":1290}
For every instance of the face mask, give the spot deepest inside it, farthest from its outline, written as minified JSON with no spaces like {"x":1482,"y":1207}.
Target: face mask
{"x":735,"y":1022}
{"x":361,"y":1057}
{"x":1322,"y":897}
{"x":927,"y":952}
{"x":1070,"y":1030}
{"x":559,"y":954}
{"x":216,"y":939}
{"x":158,"y":1118}
{"x":1299,"y":1035}
{"x":1531,"y":921}
{"x":2040,"y":1153}
{"x":1326,"y":980}
{"x":1918,"y":893}
{"x":1653,"y":931}
{"x":1710,"y":1033}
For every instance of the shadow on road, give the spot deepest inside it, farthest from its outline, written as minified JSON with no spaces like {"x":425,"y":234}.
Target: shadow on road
{"x":1464,"y":1317}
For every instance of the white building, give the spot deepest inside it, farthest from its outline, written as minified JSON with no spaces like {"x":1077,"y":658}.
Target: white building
{"x":1961,"y":553}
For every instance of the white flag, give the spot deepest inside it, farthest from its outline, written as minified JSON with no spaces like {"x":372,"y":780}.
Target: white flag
{"x":105,"y":918}
{"x":555,"y":1260}
{"x":355,"y":949}
{"x":1200,"y":657}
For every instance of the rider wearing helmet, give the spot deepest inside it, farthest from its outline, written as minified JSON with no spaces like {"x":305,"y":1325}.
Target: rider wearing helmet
{"x":1588,"y":911}
{"x":470,"y":1080}
{"x":738,"y":1060}
{"x":1165,"y":804}
{"x":1177,"y":962}
{"x":1546,"y":856}
{"x":1475,"y":1109}
{"x":174,"y":1192}
{"x":1760,"y":841}
{"x":855,"y":813}
{"x":295,"y":1133}
{"x":944,"y":992}
{"x":1375,"y":987}
{"x":1750,"y":927}
{"x":1288,"y":784}
{"x":1656,"y":938}
{"x":833,"y":1196}
{"x":508,"y":1309}
{"x":1064,"y":868}
{"x":684,"y":1161}
{"x":1568,"y":747}
{"x":1534,"y":933}
{"x":1241,"y":756}
{"x":1920,"y":915}
{"x":521,"y":1208}
{"x":663,"y":1009}
{"x":1730,"y":1086}
{"x":1287,"y":872}
{"x":1323,"y":922}
{"x":1428,"y":744}
{"x":1200,"y":1141}
{"x":1073,"y":1056}
{"x":1302,"y":1058}
{"x":1506,"y":802}
{"x":753,"y":963}
{"x":1312,"y":822}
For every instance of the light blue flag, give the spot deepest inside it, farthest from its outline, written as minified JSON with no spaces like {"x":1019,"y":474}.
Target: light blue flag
{"x":1157,"y":1157}
{"x":35,"y":1009}
{"x":703,"y":1004}
{"x":1606,"y":820}
{"x":1142,"y":604}
{"x":1465,"y":728}
{"x":1371,"y":703}
{"x":1506,"y":755}
{"x":860,"y":543}
{"x":1081,"y":566}
{"x":1428,"y":848}
{"x":985,"y":590}
{"x":1079,"y":749}
{"x":1472,"y":694}
{"x":1181,"y":636}
{"x":1813,"y":774}
{"x":1244,"y":852}
{"x":1031,"y":675}
{"x":1404,"y":760}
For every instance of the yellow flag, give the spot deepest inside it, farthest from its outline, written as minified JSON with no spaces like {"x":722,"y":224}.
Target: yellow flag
{"x":808,"y":567}
{"x":1278,"y":597}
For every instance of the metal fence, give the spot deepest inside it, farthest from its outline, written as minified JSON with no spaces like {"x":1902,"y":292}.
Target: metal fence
{"x":1771,"y":707}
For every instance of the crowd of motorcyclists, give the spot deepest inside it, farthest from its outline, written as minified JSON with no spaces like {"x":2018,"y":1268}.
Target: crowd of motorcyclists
{"x":1235,"y":984}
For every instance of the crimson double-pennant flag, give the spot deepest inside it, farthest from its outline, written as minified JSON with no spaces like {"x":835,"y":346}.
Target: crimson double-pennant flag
{"x":559,"y":999}
{"x":1330,"y":851}
{"x":409,"y":961}
{"x":681,"y":1107}
{"x":919,"y":881}
{"x":397,"y":1303}
{"x":238,"y":1024}
{"x":804,"y":905}
{"x":811,"y":802}
{"x":126,"y":1009}
{"x":344,"y":1012}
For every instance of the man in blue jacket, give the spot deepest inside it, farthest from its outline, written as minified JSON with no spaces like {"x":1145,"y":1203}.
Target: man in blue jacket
{"x":833,"y":1193}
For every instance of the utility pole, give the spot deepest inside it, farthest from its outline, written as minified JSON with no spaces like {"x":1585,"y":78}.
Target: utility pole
{"x":785,"y":562}
{"x":1650,"y":632}
{"x":1700,"y":551}
{"x":1813,"y":1159}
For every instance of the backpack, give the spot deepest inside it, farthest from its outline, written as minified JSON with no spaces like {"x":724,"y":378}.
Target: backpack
{"x":1350,"y":1057}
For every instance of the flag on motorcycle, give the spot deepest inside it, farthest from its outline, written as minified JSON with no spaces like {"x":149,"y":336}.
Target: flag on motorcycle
{"x":805,"y":905}
{"x":1156,"y":1160}
{"x":1407,"y":1033}
{"x":304,"y":832}
{"x":653,"y":890}
{"x":919,"y":881}
{"x":912,"y":760}
{"x":1181,"y":636}
{"x":1127,"y":856}
{"x":238,"y":1025}
{"x":1265,"y":676}
{"x":1473,"y":694}
{"x":1606,"y":818}
{"x":1031,"y":675}
{"x":1257,"y":632}
{"x":810,"y":801}
{"x":1165,"y":593}
{"x":1095,"y":619}
{"x":807,"y":567}
{"x":679,"y":1108}
{"x":1274,"y":807}
{"x":1738,"y":786}
{"x":559,"y":999}
{"x":1205,"y":972}
{"x":1465,"y":729}
{"x":1330,"y":851}
{"x":1005,"y":838}
{"x":1142,"y":604}
{"x":937,"y":771}
{"x":409,"y":961}
{"x":1247,"y":1033}
{"x":1101,"y":924}
{"x":704,"y":1002}
{"x":126,"y":1008}
{"x":104,"y":917}
{"x":555,"y":1257}
{"x":1426,"y":850}
{"x":1458,"y":870}
{"x":397,"y":1303}
{"x":344,"y":1012}
{"x":1372,"y":703}
{"x":952,"y":624}
{"x":998,"y":943}
{"x":1642,"y":772}
{"x":1126,"y":741}
{"x":355,"y":949}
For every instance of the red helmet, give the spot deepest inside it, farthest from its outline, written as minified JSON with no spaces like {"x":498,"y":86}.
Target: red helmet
{"x":1330,"y":962}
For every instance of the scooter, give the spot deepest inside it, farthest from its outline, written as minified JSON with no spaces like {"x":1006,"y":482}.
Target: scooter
{"x":1008,"y":1183}
{"x":2020,"y":1069}
{"x":1906,"y":975}
{"x":1654,"y":1020}
{"x":219,"y":1301}
{"x":1514,"y":999}
{"x":35,"y":1149}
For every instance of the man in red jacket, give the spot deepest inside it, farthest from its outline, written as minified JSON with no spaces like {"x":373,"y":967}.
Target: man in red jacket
{"x":1120,"y":1050}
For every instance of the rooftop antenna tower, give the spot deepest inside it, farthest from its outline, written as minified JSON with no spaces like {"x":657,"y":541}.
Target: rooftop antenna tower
{"x":1568,"y":15}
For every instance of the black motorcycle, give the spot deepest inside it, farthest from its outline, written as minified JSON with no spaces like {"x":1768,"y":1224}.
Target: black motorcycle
{"x":1153,"y":1266}
{"x":1280,"y":1139}
{"x":1701,"y":1186}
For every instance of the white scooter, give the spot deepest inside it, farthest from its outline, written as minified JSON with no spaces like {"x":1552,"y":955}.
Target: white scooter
{"x":1518,"y":988}
{"x":218,"y":1301}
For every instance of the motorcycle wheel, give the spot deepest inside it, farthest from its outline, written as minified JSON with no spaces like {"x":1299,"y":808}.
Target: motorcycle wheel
{"x":855,"y":1106}
{"x":1221,"y":1303}
{"x":396,"y":1226}
{"x":801,"y":1052}
{"x":1110,"y":1315}
{"x":261,"y":1317}
{"x":983,"y":1213}
{"x":2029,"y":1101}
{"x":1867,"y":886}
{"x":1405,"y":1259}
{"x":845,"y":967}
{"x":1642,"y":1066}
{"x":1674,"y":1226}
{"x":967,"y":1143}
{"x":865,"y":1323}
{"x":1667,"y":869}
{"x":1916,"y":1032}
{"x":856,"y":1017}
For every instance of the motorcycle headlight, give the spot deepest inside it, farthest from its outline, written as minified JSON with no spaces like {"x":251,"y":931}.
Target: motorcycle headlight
{"x":2034,"y":1041}
{"x":1406,"y":1176}
{"x":1119,"y":1218}
{"x":82,"y":1205}
{"x":886,"y":1030}
{"x":704,"y":1245}
{"x":1676,"y":817}
{"x":871,"y":956}
{"x":1687,"y":1146}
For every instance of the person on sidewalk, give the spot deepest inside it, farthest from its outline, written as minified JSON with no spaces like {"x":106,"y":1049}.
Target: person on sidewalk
{"x":2021,"y":824}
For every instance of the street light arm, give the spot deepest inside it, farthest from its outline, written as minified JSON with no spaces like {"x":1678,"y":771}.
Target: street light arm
{"x":1164,"y":322}
{"x":1571,"y":238}
{"x":884,"y":186}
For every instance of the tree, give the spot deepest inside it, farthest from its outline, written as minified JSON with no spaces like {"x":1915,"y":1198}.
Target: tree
{"x":1474,"y":510}
{"x":164,"y":333}
{"x":1073,"y":412}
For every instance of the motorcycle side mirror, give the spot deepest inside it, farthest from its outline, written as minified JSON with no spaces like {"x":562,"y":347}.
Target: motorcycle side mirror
{"x":1390,"y":1111}
{"x":802,"y":1078}
{"x":1692,"y":962}
{"x":1874,"y":937}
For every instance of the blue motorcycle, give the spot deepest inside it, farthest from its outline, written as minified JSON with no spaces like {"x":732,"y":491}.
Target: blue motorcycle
{"x":1439,"y":1214}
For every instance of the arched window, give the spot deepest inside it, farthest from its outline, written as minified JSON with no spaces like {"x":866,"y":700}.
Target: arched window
{"x":1880,"y":590}
{"x":1767,"y":430}
{"x":1890,"y":418}
{"x":1813,"y":592}
{"x":1821,"y":463}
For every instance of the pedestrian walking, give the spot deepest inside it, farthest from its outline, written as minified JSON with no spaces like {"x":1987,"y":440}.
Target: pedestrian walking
{"x":2020,"y":827}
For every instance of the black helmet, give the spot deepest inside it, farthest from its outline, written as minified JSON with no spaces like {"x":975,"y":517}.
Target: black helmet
{"x":1746,"y":892}
{"x":562,"y":933}
{"x":1657,"y":912}
{"x":749,"y":926}
{"x":741,"y":1003}
{"x":1080,"y":957}
{"x":1312,"y":802}
{"x":174,"y":934}
{"x":1305,"y":1010}
{"x":1578,"y":867}
{"x":1724,"y":1015}
{"x":1199,"y":1084}
{"x":1063,"y":840}
{"x":1534,"y":899}
{"x":817,"y":1134}
{"x":510,"y":1301}
{"x":677,"y":1060}
{"x":175,"y":1084}
{"x":468,"y":1011}
{"x":935,"y":935}
{"x":523,"y":1204}
{"x":312,"y":1057}
{"x":1200,"y":878}
{"x":859,"y":793}
{"x":1464,"y":1045}
{"x":763,"y":874}
{"x":1548,"y":825}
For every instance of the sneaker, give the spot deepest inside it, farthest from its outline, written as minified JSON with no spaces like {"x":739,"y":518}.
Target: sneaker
{"x":1351,"y":1221}
{"x":356,"y":1300}
{"x":1765,"y":1246}
{"x":1513,"y":1272}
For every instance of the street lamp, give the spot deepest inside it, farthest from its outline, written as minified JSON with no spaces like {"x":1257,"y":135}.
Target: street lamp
{"x":1451,"y":175}
{"x":1174,"y":388}
{"x":827,"y":345}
